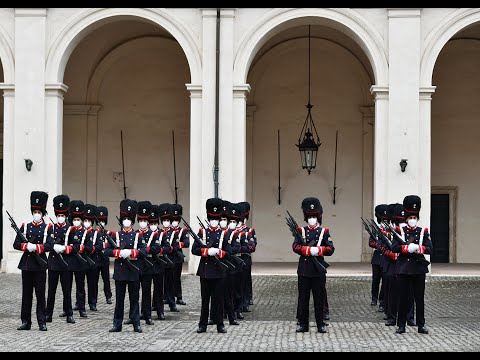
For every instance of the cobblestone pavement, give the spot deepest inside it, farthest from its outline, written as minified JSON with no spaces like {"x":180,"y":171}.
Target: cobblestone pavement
{"x":452,"y":316}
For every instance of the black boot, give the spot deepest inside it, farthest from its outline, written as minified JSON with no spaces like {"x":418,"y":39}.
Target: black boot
{"x":70,"y":319}
{"x":234,"y":322}
{"x":240,"y":316}
{"x":161,"y":316}
{"x":390,"y":322}
{"x":221,"y":329}
{"x":137,"y":329}
{"x":83,"y":313}
{"x":93,"y":307}
{"x":48,"y":318}
{"x":400,"y":330}
{"x":149,"y":322}
{"x":128,"y":322}
{"x":115,"y":329}
{"x":422,"y":330}
{"x":181,"y":302}
{"x":322,"y":329}
{"x":63,"y":314}
{"x":201,"y":329}
{"x":109,"y":300}
{"x":301,"y":328}
{"x":24,"y":326}
{"x":42,"y":327}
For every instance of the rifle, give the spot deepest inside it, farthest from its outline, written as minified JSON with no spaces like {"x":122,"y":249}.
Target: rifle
{"x":418,"y":257}
{"x":223,"y":267}
{"x":380,"y":235}
{"x":320,"y":264}
{"x":59,"y":241}
{"x":123,"y":167}
{"x":113,"y":244}
{"x":42,"y":263}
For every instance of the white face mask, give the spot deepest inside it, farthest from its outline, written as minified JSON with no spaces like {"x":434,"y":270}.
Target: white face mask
{"x":77,"y":223}
{"x":37,"y":217}
{"x":239,"y":224}
{"x":232,"y":225}
{"x":412,"y":222}
{"x":174,"y":223}
{"x":127,"y":223}
{"x":166,"y":223}
{"x":60,"y":219}
{"x":153,"y":227}
{"x":87,"y":224}
{"x":214,"y":223}
{"x":143,"y":224}
{"x":223,"y":224}
{"x":312,"y":221}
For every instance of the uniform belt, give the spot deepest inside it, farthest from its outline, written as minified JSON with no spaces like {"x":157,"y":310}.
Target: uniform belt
{"x":133,"y":259}
{"x":149,"y":255}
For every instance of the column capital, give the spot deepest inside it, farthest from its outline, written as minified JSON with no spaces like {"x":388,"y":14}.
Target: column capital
{"x":240,"y":91}
{"x":55,"y":90}
{"x":380,"y":92}
{"x":30,"y":12}
{"x":8,"y":89}
{"x":209,"y":12}
{"x":404,"y":12}
{"x":195,"y":90}
{"x":426,"y":92}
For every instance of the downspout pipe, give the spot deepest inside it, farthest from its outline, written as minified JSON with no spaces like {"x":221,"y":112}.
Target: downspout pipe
{"x":217,"y":107}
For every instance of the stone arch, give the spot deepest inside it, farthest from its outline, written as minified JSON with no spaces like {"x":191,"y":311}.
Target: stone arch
{"x":440,"y":35}
{"x":6,"y":57}
{"x":346,"y":20}
{"x":86,"y":21}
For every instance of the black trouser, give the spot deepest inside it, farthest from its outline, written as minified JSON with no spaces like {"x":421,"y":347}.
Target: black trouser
{"x":177,"y":280}
{"x":391,"y":296}
{"x":316,"y":285}
{"x":168,"y":290}
{"x":376,"y":278}
{"x":326,"y":309}
{"x":93,"y":276}
{"x":211,"y":288}
{"x":53,"y":277}
{"x":80,"y":289}
{"x":158,"y":281}
{"x":105,"y":272}
{"x":249,"y":286}
{"x":411,"y":305}
{"x":133,"y":295}
{"x":237,"y":292}
{"x":418,"y":283}
{"x":33,"y":280}
{"x":244,"y":285}
{"x":386,"y":287}
{"x":146,"y":308}
{"x":227,"y":301}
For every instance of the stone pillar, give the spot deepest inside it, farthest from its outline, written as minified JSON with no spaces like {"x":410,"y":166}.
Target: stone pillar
{"x":249,"y":173}
{"x":368,"y":119}
{"x":10,"y":255}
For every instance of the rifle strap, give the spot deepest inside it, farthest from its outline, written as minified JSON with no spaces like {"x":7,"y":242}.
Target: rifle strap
{"x":25,"y":230}
{"x":135,"y":243}
{"x":220,"y":243}
{"x":180,"y":234}
{"x":151,"y":238}
{"x":95,"y":237}
{"x":117,"y":238}
{"x":402,"y":233}
{"x":67,"y":234}
{"x":303,"y":235}
{"x":45,"y":234}
{"x":171,"y":238}
{"x":83,"y":237}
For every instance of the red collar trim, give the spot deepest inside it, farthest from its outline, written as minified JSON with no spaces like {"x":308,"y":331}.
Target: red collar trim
{"x":127,"y":231}
{"x":37,"y":223}
{"x":214,"y":229}
{"x":79,"y":227}
{"x":314,"y":227}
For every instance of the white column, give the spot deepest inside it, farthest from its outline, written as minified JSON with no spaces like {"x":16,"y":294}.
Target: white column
{"x":227,"y":166}
{"x":368,"y":118}
{"x":11,"y":257}
{"x":197,"y":204}
{"x":54,"y":140}
{"x":425,"y":149}
{"x":250,"y":126}
{"x":380,"y":152}
{"x":404,"y":39}
{"x":238,"y":139}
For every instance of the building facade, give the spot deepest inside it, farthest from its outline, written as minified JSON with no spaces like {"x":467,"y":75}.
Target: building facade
{"x":395,"y":83}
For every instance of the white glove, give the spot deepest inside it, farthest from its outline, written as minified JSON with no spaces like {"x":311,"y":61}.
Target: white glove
{"x":314,"y":251}
{"x":58,"y":248}
{"x":213,"y":251}
{"x":31,"y":247}
{"x":125,"y":253}
{"x":412,"y":248}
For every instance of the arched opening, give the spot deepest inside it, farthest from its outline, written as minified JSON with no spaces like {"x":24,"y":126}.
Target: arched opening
{"x":127,"y":75}
{"x":341,"y":76}
{"x":455,"y":145}
{"x":1,"y":158}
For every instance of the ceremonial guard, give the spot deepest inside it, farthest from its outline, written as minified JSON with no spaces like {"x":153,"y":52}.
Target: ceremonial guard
{"x":103,"y":268}
{"x":129,"y":247}
{"x":314,"y":245}
{"x":57,"y":266}
{"x":95,"y":255}
{"x":411,"y":245}
{"x":33,"y":262}
{"x":183,"y":242}
{"x":381,"y":214}
{"x":215,"y":247}
{"x":250,"y":238}
{"x":165,"y":211}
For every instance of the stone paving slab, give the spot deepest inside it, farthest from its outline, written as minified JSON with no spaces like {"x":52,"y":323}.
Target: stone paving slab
{"x":452,"y":316}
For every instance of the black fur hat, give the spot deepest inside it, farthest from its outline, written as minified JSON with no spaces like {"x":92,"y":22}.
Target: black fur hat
{"x":412,"y":205}
{"x":311,"y":207}
{"x":128,"y":209}
{"x":246,"y":209}
{"x":398,"y":214}
{"x":227,"y":209}
{"x":144,"y":210}
{"x":102,"y":214}
{"x":381,"y":212}
{"x":60,"y":205}
{"x":38,"y":201}
{"x":390,"y":211}
{"x":176,"y":210}
{"x":90,"y":212}
{"x":154,"y":217}
{"x":164,"y":211}
{"x":77,"y":209}
{"x":237,"y":212}
{"x":214,"y":207}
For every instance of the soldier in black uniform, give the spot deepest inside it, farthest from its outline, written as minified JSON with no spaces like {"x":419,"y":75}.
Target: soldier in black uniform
{"x":381,"y":214}
{"x":411,"y":264}
{"x":101,"y":259}
{"x":211,"y":276}
{"x":129,"y":247}
{"x":310,"y":278}
{"x":95,"y":254}
{"x":34,"y":275}
{"x":56,"y":268}
{"x":183,"y":241}
{"x":251,"y":238}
